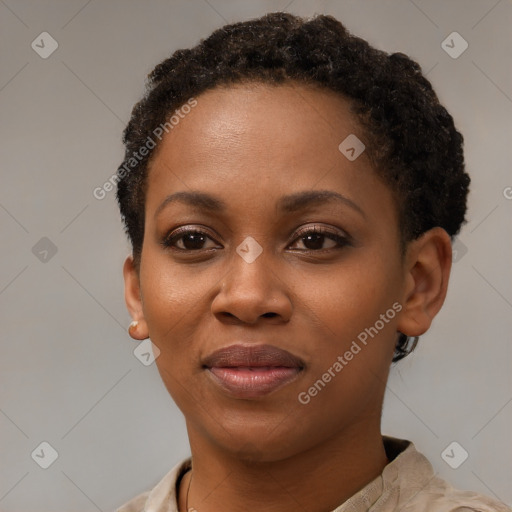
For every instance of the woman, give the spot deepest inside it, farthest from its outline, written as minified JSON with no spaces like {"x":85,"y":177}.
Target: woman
{"x":291,"y":195}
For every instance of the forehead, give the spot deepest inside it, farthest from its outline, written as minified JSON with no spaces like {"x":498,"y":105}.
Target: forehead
{"x":278,"y":120}
{"x":255,"y":142}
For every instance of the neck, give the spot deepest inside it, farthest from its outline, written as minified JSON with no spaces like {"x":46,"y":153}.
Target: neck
{"x":318,"y":479}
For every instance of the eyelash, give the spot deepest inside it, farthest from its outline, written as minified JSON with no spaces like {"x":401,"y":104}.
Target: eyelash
{"x":341,"y":240}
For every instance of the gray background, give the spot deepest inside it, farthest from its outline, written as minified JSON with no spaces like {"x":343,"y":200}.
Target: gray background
{"x":68,"y":373}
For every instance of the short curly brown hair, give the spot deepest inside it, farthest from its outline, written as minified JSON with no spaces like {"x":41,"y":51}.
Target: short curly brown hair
{"x":409,"y":136}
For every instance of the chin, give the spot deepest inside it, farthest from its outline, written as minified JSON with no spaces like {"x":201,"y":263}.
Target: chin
{"x":252,"y":451}
{"x":260,"y":442}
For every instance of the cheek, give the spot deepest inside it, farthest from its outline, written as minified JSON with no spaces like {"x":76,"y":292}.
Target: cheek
{"x":353,"y":344}
{"x":353,"y":295}
{"x":168,"y":302}
{"x":352,"y":309}
{"x":171,"y":293}
{"x":177,"y":306}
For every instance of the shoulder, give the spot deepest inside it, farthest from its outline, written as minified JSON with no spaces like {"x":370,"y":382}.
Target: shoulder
{"x":163,"y":497}
{"x":440,"y":496}
{"x":136,"y":504}
{"x":416,"y":488}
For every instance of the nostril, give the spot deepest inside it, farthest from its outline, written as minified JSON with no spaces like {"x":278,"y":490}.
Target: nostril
{"x":269,"y":314}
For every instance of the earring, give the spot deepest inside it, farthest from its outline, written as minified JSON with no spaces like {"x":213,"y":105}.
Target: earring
{"x":132,"y":331}
{"x":404,"y":346}
{"x":132,"y":326}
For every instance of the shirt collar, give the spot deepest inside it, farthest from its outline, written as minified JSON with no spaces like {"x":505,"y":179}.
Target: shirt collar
{"x":405,"y":462}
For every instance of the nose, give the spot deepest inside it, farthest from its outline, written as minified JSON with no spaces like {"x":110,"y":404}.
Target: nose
{"x":251,"y":291}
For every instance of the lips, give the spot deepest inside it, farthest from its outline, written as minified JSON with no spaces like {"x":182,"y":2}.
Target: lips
{"x":252,"y":371}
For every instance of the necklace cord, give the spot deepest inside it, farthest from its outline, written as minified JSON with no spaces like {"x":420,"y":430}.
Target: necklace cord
{"x":188,"y":490}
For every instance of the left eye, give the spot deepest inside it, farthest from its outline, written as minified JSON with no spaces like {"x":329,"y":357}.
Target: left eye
{"x":315,"y":238}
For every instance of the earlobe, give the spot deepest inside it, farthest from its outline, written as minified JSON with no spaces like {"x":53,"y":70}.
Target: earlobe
{"x":138,"y":329}
{"x":428,"y":265}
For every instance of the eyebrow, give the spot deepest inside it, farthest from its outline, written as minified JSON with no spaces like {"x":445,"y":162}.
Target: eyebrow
{"x":286,"y":204}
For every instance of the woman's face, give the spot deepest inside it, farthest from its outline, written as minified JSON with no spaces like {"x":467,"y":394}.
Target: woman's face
{"x":258,"y":275}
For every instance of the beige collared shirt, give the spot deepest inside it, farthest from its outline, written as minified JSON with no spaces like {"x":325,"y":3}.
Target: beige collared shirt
{"x":406,"y":484}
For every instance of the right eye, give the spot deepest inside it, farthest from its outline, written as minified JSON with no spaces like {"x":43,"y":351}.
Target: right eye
{"x":191,"y":239}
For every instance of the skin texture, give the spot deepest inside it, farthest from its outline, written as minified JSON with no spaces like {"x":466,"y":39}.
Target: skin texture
{"x":249,"y":145}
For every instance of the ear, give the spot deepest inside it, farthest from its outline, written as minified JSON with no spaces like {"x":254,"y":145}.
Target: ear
{"x":428,"y":264}
{"x":133,"y":299}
